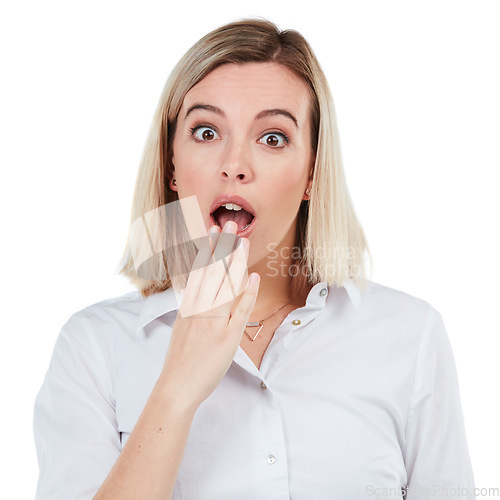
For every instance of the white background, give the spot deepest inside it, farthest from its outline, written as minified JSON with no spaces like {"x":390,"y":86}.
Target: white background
{"x":415,"y":86}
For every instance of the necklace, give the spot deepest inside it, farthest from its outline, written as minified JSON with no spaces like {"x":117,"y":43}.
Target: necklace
{"x":261,"y":322}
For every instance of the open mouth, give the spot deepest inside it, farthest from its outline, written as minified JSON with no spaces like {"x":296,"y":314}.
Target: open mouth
{"x":245,"y":220}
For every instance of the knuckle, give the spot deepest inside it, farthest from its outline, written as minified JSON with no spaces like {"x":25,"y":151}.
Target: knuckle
{"x":241,"y":309}
{"x":226,"y":288}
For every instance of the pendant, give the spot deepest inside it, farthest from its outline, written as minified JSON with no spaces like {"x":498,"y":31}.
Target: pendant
{"x":261,"y":324}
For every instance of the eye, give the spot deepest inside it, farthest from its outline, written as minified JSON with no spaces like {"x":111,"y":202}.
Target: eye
{"x":204,"y":134}
{"x":274,"y":140}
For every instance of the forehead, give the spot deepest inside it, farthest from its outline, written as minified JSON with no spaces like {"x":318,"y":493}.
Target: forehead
{"x":253,"y":87}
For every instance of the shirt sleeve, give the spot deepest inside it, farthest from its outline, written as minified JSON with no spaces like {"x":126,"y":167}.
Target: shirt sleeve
{"x":75,"y":426}
{"x":436,"y":455}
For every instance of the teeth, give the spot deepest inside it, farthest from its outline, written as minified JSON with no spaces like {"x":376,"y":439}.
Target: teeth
{"x":232,"y":206}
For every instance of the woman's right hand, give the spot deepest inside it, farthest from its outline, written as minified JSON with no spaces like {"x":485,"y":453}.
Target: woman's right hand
{"x":210,"y":323}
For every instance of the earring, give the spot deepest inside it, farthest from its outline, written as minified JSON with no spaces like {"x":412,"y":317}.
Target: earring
{"x":174,"y":182}
{"x":308,"y":192}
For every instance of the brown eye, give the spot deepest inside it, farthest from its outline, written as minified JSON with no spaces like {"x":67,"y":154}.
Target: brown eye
{"x":207,"y":135}
{"x":204,"y":134}
{"x":274,"y":140}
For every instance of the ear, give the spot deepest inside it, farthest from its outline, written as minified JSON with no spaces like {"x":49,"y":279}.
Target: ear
{"x":309,"y":182}
{"x":171,"y":176}
{"x":306,"y":196}
{"x":311,"y":167}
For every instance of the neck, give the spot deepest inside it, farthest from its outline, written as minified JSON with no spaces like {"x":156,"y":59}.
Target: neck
{"x":273,"y":293}
{"x":275,"y":287}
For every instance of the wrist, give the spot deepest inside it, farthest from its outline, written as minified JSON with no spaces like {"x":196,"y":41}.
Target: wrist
{"x":174,"y":398}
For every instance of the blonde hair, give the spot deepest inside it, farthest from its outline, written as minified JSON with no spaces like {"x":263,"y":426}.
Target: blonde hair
{"x":330,"y":238}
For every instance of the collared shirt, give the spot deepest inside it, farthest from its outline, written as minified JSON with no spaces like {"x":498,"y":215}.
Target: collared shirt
{"x":356,"y":397}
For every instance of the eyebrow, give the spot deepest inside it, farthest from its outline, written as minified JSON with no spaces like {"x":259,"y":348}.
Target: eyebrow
{"x":277,"y":112}
{"x":206,"y":107}
{"x":263,"y":114}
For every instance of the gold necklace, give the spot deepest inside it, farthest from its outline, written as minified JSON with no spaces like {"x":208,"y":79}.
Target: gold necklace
{"x":261,"y":322}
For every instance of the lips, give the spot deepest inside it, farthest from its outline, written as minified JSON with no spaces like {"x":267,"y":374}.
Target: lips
{"x":219,"y":216}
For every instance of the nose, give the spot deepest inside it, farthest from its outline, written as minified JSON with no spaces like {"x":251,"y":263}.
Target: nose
{"x":236,"y":161}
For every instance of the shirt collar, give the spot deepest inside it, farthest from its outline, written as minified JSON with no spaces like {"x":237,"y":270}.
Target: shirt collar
{"x":161,"y":303}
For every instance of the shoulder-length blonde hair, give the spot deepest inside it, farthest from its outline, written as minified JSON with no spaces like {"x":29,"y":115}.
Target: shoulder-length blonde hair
{"x":331,"y":242}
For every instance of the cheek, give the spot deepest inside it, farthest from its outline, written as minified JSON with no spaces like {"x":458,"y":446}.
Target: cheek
{"x":288,"y":177}
{"x":191,"y":164}
{"x":286,"y":196}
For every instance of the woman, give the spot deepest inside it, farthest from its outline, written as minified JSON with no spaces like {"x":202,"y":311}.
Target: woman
{"x":305,"y":380}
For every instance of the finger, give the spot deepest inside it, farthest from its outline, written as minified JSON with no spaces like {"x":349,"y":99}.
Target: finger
{"x":222,"y":283}
{"x":207,"y":279}
{"x":195,"y":278}
{"x":214,"y":273}
{"x":205,"y":255}
{"x":212,"y":278}
{"x":218,"y":246}
{"x":235,"y":277}
{"x":244,"y":308}
{"x":226,"y":242}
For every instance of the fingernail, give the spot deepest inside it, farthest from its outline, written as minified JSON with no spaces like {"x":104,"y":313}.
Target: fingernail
{"x":230,"y":226}
{"x":254,"y":277}
{"x":214,"y":229}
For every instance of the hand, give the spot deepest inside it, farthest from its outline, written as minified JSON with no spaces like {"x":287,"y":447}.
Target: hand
{"x":210,"y":323}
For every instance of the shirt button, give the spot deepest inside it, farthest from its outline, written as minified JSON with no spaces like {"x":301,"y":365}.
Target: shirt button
{"x":323,"y":292}
{"x":271,"y":459}
{"x":263,"y":386}
{"x":296,"y":322}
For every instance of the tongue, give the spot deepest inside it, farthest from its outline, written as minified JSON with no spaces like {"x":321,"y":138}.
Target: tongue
{"x":241,"y":217}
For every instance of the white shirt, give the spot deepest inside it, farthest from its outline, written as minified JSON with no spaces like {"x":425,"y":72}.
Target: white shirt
{"x":356,"y":398}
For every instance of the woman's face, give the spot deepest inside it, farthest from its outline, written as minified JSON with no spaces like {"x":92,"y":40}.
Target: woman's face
{"x":244,"y":130}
